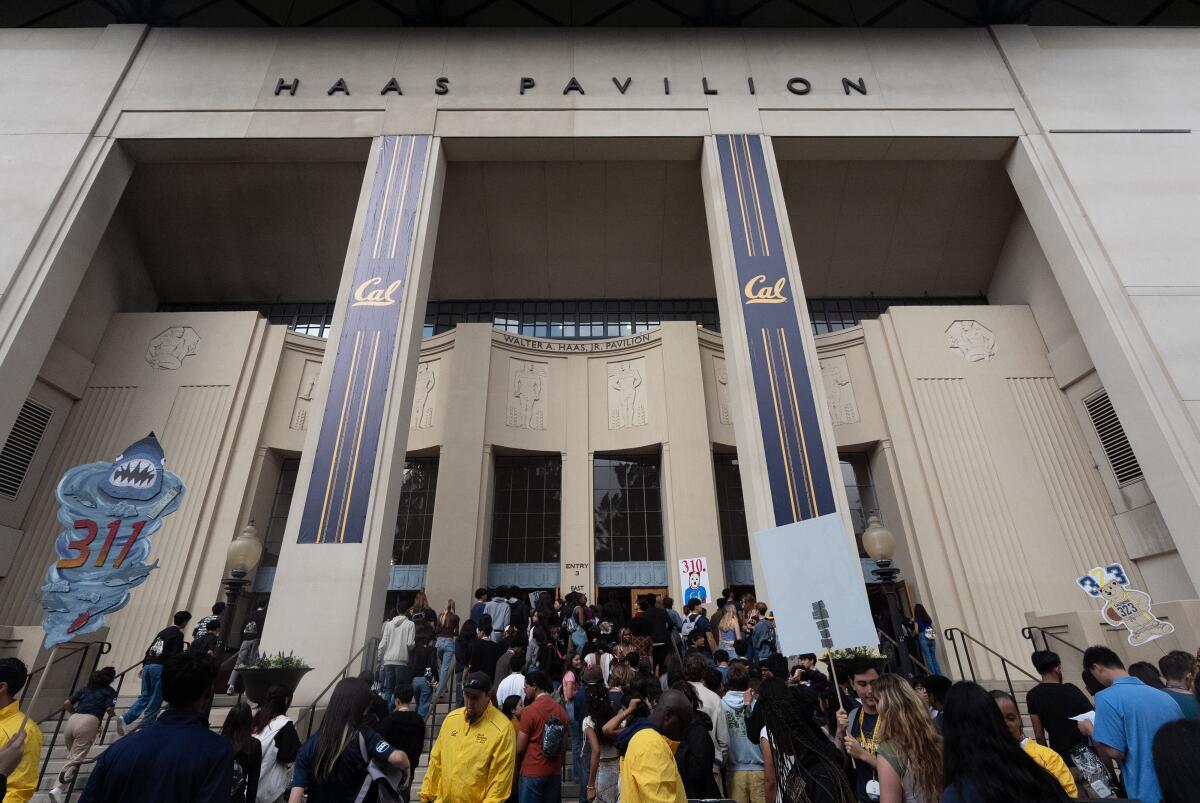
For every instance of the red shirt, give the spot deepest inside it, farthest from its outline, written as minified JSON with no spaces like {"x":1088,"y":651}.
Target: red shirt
{"x":533,"y":722}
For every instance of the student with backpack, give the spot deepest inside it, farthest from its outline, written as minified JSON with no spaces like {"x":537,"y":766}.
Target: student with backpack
{"x":542,"y":742}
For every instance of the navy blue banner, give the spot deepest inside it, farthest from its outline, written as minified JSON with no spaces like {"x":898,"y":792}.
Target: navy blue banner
{"x":787,"y":406}
{"x":335,"y":509}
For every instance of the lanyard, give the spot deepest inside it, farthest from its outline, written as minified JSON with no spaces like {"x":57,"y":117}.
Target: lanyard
{"x":871,"y":745}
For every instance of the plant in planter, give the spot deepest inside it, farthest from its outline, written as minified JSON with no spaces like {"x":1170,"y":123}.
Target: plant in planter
{"x":280,"y":669}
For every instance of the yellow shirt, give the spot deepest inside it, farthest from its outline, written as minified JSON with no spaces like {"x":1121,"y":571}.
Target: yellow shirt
{"x":472,"y":762}
{"x":648,"y":771}
{"x":1052,"y":763}
{"x":24,"y":779}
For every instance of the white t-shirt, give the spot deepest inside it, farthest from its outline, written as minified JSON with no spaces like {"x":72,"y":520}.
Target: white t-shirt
{"x":783,"y":760}
{"x":513,"y":684}
{"x":606,"y":750}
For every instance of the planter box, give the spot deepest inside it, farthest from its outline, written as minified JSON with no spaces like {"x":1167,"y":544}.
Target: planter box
{"x":258,"y":681}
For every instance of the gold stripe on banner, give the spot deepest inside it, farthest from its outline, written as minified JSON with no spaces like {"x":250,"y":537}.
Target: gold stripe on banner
{"x":762,"y":226}
{"x":737,"y":177}
{"x":337,"y":444}
{"x":412,"y":144}
{"x":387,"y":197}
{"x":779,"y":425}
{"x":362,"y":419}
{"x":787,"y":360}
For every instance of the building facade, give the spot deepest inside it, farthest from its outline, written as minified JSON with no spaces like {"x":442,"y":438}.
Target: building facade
{"x":447,"y":308}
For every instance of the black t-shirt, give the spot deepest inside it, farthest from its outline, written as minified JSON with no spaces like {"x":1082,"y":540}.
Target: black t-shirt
{"x":405,"y":731}
{"x":1054,"y":704}
{"x":422,"y":658}
{"x":206,"y":644}
{"x":483,"y":655}
{"x":863,"y":772}
{"x":168,"y":642}
{"x":253,"y":627}
{"x":247,"y":768}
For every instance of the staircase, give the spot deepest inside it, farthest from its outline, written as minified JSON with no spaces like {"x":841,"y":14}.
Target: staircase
{"x":58,"y":752}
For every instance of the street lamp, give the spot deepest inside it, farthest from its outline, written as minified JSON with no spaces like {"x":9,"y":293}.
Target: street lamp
{"x":881,"y":546}
{"x":241,"y":557}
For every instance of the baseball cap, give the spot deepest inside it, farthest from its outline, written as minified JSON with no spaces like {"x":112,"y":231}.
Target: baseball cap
{"x":478,"y":682}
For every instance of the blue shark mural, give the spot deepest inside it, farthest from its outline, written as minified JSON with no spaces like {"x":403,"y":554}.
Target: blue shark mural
{"x":108,"y":511}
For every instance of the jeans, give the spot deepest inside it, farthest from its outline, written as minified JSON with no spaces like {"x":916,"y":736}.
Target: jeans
{"x":541,"y":790}
{"x":150,"y":698}
{"x":929,"y":651}
{"x":393,"y":676}
{"x":422,"y":694}
{"x":578,"y":639}
{"x":579,"y":745}
{"x":445,"y":652}
{"x":247,"y":653}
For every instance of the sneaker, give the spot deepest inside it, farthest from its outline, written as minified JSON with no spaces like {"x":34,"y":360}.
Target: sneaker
{"x":120,"y":726}
{"x":132,"y":726}
{"x":231,"y":692}
{"x":56,"y":795}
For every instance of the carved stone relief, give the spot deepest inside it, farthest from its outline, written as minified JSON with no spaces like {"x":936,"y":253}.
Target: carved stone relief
{"x":839,"y":393}
{"x":527,"y":386}
{"x":972,"y":339}
{"x":424,"y":388}
{"x":169,"y":348}
{"x":724,"y":410}
{"x":627,"y":394}
{"x":304,"y":394}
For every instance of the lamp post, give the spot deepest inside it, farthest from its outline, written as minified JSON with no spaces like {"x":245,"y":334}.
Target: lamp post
{"x":241,"y":558}
{"x":881,"y":546}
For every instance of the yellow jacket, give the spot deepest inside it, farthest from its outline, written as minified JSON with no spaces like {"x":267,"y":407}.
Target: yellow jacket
{"x":471,"y":762}
{"x":648,"y":771}
{"x":1052,"y":763}
{"x":24,"y":779}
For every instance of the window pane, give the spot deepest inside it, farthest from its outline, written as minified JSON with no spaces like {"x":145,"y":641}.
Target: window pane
{"x":627,"y":508}
{"x":526,"y":523}
{"x":414,"y":517}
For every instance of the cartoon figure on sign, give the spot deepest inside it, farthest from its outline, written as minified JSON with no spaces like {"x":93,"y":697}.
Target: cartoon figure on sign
{"x":694,"y":589}
{"x":108,"y":512}
{"x":1124,"y":605}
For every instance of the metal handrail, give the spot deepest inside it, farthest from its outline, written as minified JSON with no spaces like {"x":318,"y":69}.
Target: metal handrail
{"x":898,"y":646}
{"x":967,"y":640}
{"x":120,"y":679}
{"x":1028,"y":632}
{"x":431,"y":714}
{"x":367,"y":649}
{"x":82,"y":649}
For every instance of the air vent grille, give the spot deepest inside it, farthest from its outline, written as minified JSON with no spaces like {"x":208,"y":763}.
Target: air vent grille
{"x":22,"y":445}
{"x":1116,"y":446}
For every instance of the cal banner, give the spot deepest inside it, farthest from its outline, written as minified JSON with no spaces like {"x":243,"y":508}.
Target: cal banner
{"x":693,"y":579}
{"x":108,"y":511}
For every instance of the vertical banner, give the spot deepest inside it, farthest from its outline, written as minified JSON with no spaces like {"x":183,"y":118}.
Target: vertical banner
{"x":335,"y":509}
{"x":796,"y":464}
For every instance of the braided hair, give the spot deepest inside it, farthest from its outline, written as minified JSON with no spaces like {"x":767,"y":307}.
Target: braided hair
{"x":808,"y":769}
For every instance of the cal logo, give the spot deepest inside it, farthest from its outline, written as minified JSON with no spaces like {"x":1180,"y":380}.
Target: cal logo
{"x":480,"y":738}
{"x":370,"y":294}
{"x":757,"y":291}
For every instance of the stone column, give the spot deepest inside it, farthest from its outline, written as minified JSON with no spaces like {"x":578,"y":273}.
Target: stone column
{"x":577,"y":550}
{"x":458,"y":549}
{"x":786,"y":448}
{"x":689,"y":487}
{"x":330,"y":586}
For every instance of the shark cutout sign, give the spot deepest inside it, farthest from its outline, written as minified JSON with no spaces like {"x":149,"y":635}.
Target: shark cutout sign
{"x":108,"y":512}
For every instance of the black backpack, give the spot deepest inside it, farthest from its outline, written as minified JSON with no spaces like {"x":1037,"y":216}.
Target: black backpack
{"x":553,"y":737}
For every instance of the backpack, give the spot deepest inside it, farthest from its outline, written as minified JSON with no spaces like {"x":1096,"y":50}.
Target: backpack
{"x":553,"y":738}
{"x":240,"y":783}
{"x":689,"y":624}
{"x":387,"y":782}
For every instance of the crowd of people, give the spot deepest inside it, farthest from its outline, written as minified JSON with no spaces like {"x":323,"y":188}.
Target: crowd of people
{"x":654,"y":707}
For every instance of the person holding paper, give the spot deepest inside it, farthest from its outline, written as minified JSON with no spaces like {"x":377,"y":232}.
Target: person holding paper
{"x":1052,"y":703}
{"x":1128,"y":715}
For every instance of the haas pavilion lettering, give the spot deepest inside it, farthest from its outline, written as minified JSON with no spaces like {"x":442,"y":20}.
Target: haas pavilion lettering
{"x":795,"y":85}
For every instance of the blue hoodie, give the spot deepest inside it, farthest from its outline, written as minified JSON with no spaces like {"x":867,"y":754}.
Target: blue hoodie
{"x":744,"y":752}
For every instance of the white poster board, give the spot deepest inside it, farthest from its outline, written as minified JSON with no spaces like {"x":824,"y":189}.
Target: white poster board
{"x":693,"y":580}
{"x":805,"y":565}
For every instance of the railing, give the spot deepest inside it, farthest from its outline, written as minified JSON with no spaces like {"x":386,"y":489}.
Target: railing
{"x":1033,"y":630}
{"x":367,"y":654}
{"x":82,"y":649}
{"x":431,"y":715}
{"x":894,"y":660}
{"x":955,"y":635}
